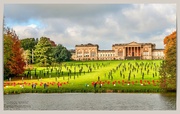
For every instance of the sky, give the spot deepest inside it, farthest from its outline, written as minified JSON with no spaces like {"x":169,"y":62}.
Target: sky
{"x":102,"y":24}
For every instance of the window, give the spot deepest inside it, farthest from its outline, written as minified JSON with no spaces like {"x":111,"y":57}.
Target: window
{"x":120,"y":53}
{"x":79,"y":52}
{"x":145,"y":53}
{"x":93,"y":54}
{"x":86,"y":54}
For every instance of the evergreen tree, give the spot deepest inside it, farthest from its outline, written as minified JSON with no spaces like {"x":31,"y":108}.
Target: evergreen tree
{"x":43,"y":52}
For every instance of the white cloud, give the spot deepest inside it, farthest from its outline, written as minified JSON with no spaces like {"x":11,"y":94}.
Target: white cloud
{"x":28,"y":31}
{"x":32,"y":26}
{"x":99,"y":24}
{"x":150,"y":17}
{"x":74,"y":31}
{"x":158,"y":39}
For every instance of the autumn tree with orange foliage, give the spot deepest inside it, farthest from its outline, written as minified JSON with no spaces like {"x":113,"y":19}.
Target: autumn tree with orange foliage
{"x":13,"y":60}
{"x":168,"y":67}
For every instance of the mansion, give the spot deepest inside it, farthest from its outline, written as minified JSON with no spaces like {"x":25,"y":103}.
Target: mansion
{"x":133,"y":51}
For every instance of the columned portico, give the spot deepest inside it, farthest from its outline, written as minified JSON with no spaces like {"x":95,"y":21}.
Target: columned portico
{"x":132,"y":52}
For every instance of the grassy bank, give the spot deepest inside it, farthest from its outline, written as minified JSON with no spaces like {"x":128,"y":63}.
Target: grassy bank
{"x":109,"y":76}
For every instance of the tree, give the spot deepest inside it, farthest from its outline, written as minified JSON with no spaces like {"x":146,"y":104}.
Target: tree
{"x":27,"y":56}
{"x":65,"y":55}
{"x":42,"y":52}
{"x":7,"y":47}
{"x":7,"y":54}
{"x":60,"y":53}
{"x":52,"y":42}
{"x":168,"y":66}
{"x":13,"y":60}
{"x":29,"y":44}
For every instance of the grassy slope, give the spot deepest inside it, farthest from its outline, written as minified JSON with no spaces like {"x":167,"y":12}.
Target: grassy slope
{"x":78,"y":83}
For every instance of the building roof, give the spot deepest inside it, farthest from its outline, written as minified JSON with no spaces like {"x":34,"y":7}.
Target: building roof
{"x":158,"y":49}
{"x":132,"y":43}
{"x":87,"y":45}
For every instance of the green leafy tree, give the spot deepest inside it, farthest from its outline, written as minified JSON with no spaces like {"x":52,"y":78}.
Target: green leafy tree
{"x":168,"y":67}
{"x":42,"y":52}
{"x":29,"y":44}
{"x":65,"y":55}
{"x":7,"y":54}
{"x":60,"y":53}
{"x":7,"y":47}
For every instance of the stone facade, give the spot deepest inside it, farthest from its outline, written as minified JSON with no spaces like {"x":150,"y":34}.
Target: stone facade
{"x":86,"y":52}
{"x":158,"y":54}
{"x":106,"y":54}
{"x":123,"y":51}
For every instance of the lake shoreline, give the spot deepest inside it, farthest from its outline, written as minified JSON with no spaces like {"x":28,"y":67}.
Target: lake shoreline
{"x":48,"y":91}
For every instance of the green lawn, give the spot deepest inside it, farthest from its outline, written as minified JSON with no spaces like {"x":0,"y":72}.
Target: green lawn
{"x":116,"y":76}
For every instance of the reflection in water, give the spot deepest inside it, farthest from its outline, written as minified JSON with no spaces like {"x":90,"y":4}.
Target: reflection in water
{"x":169,"y":98}
{"x":90,"y":101}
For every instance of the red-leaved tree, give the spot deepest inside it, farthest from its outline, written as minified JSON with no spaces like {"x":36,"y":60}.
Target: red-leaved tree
{"x":14,"y":63}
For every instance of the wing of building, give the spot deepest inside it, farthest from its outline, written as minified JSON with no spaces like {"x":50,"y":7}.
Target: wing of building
{"x":122,"y":51}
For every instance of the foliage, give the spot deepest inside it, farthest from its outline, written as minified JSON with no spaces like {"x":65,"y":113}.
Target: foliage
{"x":7,"y":48}
{"x":168,"y":67}
{"x":13,"y":60}
{"x":43,"y":52}
{"x":52,"y":42}
{"x":27,"y":56}
{"x":7,"y":54}
{"x":29,"y":43}
{"x":60,"y":54}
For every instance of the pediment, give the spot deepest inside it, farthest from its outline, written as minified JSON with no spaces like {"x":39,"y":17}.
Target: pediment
{"x":133,"y":43}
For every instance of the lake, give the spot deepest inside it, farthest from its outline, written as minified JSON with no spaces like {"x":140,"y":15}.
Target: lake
{"x":90,"y":101}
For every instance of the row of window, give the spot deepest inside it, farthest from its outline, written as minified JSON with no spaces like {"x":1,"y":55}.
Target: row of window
{"x":119,"y":54}
{"x":86,"y":55}
{"x":106,"y":55}
{"x":158,"y":54}
{"x":145,"y":53}
{"x":100,"y":55}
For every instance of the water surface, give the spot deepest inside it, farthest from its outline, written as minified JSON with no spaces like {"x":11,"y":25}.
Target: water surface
{"x":90,"y":101}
